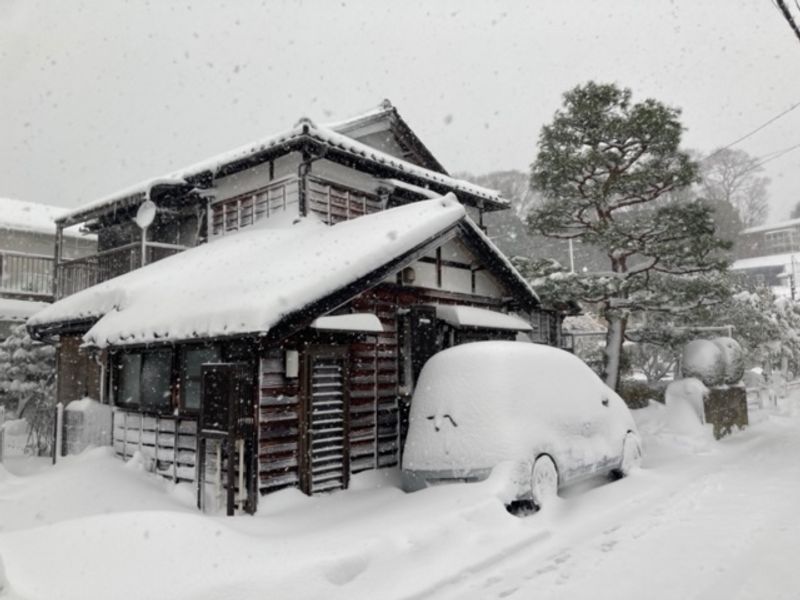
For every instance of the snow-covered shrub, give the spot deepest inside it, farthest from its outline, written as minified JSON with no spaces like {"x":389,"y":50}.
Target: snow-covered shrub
{"x":684,"y":400}
{"x":703,"y":360}
{"x":27,"y":384}
{"x":733,"y":359}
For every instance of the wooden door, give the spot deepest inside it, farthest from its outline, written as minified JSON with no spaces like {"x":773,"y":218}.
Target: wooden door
{"x":227,"y":429}
{"x":327,"y":427}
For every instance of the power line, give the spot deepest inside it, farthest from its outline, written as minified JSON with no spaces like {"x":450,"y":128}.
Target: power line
{"x":788,"y":16}
{"x":754,"y":131}
{"x":773,"y":155}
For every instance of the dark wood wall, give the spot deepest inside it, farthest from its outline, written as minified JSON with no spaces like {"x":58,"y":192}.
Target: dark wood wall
{"x":78,"y":373}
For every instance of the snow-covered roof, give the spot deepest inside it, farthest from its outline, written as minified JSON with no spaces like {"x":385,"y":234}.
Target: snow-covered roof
{"x":366,"y":322}
{"x":29,"y":216}
{"x":387,"y":113}
{"x":773,"y":226}
{"x":304,"y":129}
{"x":19,"y":310}
{"x":250,"y":282}
{"x":773,"y":260}
{"x":472,"y":316}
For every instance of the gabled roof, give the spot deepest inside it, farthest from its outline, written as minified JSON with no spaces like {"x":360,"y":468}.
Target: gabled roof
{"x":387,"y":118}
{"x":305,"y":135}
{"x":228,"y":288}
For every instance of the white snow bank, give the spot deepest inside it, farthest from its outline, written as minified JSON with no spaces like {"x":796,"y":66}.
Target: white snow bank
{"x":685,"y":408}
{"x":228,"y":287}
{"x":87,"y":423}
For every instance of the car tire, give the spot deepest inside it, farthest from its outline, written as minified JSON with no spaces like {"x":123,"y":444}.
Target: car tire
{"x":631,"y":455}
{"x":544,"y":481}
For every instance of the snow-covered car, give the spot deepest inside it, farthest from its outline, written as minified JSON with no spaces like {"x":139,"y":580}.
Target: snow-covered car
{"x":480,"y":405}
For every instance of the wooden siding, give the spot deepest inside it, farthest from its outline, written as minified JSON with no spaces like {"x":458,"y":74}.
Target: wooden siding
{"x":168,"y":444}
{"x":279,"y":450}
{"x":78,"y":375}
{"x":334,"y":202}
{"x":374,"y":414}
{"x":237,"y":213}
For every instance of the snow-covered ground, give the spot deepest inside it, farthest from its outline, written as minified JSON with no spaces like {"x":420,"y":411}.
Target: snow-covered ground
{"x":702,"y":519}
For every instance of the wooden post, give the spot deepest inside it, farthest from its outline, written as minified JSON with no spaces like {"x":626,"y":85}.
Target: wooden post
{"x":57,"y":259}
{"x":58,"y":438}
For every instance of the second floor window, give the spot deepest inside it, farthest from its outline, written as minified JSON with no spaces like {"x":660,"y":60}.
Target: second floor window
{"x":781,"y":241}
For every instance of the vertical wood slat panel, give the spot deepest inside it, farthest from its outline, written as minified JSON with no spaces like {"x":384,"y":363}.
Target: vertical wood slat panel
{"x":279,"y":426}
{"x":242,"y":211}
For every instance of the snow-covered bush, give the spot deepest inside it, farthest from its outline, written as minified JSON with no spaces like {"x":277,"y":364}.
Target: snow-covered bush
{"x":732,"y":357}
{"x":27,"y":385}
{"x":703,"y":360}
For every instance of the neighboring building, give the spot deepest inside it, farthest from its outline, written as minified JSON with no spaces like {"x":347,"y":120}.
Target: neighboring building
{"x":27,"y":234}
{"x":767,"y":255}
{"x":272,"y":342}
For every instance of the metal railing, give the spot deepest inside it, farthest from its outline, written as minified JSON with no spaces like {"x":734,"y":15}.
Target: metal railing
{"x":26,"y":276}
{"x":81,"y":273}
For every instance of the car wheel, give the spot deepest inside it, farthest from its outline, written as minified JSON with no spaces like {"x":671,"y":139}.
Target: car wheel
{"x":544,"y":481}
{"x":631,"y":454}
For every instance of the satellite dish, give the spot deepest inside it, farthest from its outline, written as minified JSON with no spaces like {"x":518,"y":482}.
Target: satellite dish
{"x":146,"y":214}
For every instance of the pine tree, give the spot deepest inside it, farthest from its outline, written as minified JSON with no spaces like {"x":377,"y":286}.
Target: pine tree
{"x":27,"y":382}
{"x":608,"y":170}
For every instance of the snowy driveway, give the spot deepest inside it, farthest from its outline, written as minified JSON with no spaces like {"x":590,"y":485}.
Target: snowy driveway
{"x":703,"y":520}
{"x":720,"y":525}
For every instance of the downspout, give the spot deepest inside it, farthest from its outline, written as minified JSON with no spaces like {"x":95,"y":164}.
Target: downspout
{"x":102,"y":364}
{"x":302,"y":176}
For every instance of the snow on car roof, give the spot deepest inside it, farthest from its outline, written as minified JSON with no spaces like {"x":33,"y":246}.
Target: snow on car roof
{"x":305,"y":127}
{"x":247,"y":283}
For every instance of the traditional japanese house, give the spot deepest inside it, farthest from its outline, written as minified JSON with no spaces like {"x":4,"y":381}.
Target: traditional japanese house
{"x":267,"y":327}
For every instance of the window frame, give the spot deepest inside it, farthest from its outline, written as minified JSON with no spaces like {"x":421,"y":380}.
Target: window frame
{"x":182,"y":376}
{"x":168,"y":408}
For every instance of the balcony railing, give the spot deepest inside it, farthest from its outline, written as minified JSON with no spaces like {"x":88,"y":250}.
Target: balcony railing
{"x":81,"y":273}
{"x":26,"y":276}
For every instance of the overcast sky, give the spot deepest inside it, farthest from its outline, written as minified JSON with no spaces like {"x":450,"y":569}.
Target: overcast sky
{"x":99,"y":94}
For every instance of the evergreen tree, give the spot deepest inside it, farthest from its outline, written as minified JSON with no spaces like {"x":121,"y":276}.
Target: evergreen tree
{"x":608,"y":170}
{"x":27,"y":384}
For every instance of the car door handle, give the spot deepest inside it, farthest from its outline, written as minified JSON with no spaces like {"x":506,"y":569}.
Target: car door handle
{"x":604,"y":402}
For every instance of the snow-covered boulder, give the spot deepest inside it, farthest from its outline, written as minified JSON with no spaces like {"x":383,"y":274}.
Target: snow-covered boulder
{"x":684,"y":400}
{"x":704,"y":360}
{"x":732,"y":357}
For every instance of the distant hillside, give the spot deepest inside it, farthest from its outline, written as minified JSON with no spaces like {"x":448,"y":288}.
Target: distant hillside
{"x":508,"y":229}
